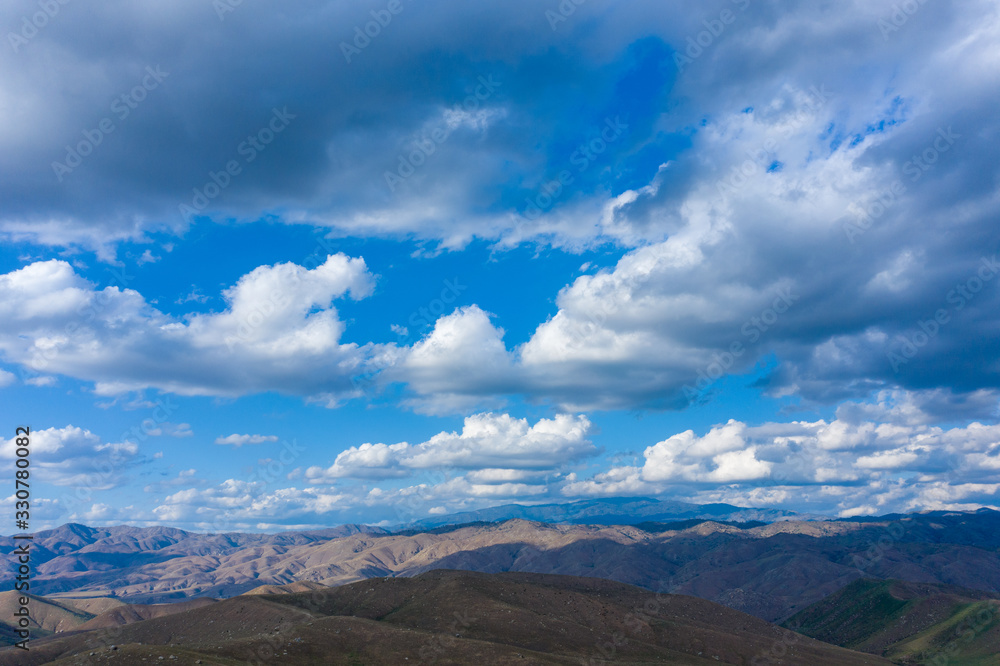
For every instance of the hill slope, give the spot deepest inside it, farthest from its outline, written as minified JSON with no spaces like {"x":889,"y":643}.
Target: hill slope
{"x":45,"y":615}
{"x":129,"y":613}
{"x":450,"y":617}
{"x":92,"y":605}
{"x":77,"y":555}
{"x":912,"y":623}
{"x":291,"y":588}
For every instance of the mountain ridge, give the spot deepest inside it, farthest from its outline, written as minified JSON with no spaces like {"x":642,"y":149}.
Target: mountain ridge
{"x":769,"y":570}
{"x":608,"y":511}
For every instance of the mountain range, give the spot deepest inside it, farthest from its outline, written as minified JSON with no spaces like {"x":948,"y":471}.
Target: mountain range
{"x":768,"y":570}
{"x":609,"y":511}
{"x":895,"y":587}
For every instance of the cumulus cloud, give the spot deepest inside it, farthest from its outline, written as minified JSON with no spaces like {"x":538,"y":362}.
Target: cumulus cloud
{"x":100,"y":513}
{"x":278,"y":332}
{"x":497,"y":447}
{"x":758,"y":269}
{"x":464,"y":343}
{"x":843,"y":466}
{"x":831,"y":466}
{"x":365,"y":461}
{"x":812,"y":218}
{"x":237,"y":504}
{"x":783,"y":205}
{"x":810,"y":188}
{"x":76,"y":457}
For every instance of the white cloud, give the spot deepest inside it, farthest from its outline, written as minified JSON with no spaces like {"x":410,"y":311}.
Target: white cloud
{"x":839,"y":467}
{"x":894,"y":459}
{"x":98,"y":512}
{"x":764,"y":151}
{"x":239,"y":440}
{"x":719,"y":234}
{"x":498,"y":447}
{"x":723,"y":455}
{"x":618,"y":481}
{"x":490,"y":440}
{"x":76,"y":457}
{"x":493,"y":475}
{"x":234,"y":502}
{"x":462,"y":344}
{"x":865,"y":510}
{"x":832,"y":466}
{"x":177,"y":429}
{"x":195,"y":296}
{"x":183,"y":478}
{"x":365,"y":461}
{"x":279,"y":332}
{"x":147,"y":257}
{"x":738,"y":466}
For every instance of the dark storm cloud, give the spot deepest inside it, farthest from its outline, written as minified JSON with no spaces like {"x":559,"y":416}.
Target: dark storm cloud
{"x":852,"y":165}
{"x":82,"y":85}
{"x":869,"y":195}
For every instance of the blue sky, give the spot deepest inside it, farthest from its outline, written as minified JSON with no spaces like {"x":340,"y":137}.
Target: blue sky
{"x":258,"y":272}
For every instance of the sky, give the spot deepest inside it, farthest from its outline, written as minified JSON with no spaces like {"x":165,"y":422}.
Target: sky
{"x":284,"y":265}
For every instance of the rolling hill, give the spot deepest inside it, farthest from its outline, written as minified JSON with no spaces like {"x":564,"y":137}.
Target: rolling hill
{"x":910,"y":623}
{"x":46,"y":615}
{"x":450,"y":617}
{"x":129,"y":613}
{"x":291,"y":588}
{"x":53,"y":616}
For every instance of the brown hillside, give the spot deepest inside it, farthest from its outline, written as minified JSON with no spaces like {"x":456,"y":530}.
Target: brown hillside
{"x":92,"y":605}
{"x":451,"y":617}
{"x":291,"y":588}
{"x":129,"y":613}
{"x":45,"y":614}
{"x":771,"y":571}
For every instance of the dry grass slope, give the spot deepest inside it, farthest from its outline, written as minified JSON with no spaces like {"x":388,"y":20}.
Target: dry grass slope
{"x":290,"y":588}
{"x":911,"y":623}
{"x":129,"y":613}
{"x":46,"y":616}
{"x":450,"y":617}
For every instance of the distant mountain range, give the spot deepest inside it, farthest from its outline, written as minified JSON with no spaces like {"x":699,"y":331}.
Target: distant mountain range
{"x":610,"y":511}
{"x":768,"y":570}
{"x":71,"y":556}
{"x":552,"y":589}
